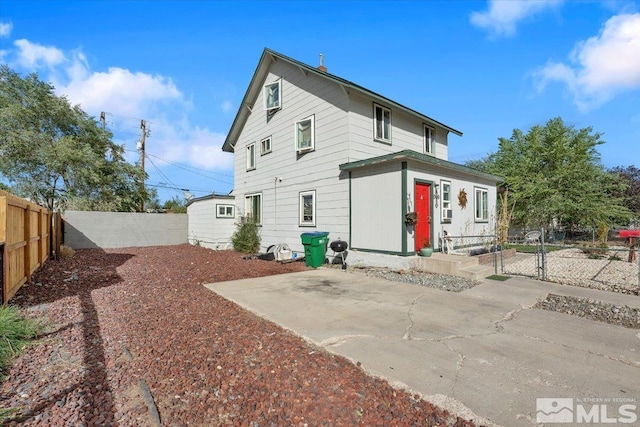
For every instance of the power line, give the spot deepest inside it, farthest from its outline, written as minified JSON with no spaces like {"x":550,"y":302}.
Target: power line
{"x":166,"y":178}
{"x":188,"y":166}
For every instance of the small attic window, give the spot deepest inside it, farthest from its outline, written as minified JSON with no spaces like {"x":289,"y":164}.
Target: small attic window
{"x":272,"y":99}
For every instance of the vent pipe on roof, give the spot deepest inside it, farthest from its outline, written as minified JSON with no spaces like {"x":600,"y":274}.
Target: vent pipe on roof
{"x":321,"y":67}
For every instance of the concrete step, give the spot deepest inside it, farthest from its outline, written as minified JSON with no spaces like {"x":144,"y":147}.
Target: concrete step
{"x":476,"y":272}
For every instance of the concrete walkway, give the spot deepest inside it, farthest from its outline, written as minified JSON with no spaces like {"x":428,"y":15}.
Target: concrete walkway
{"x":483,"y":354}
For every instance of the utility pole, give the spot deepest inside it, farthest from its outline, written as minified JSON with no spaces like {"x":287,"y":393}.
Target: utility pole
{"x":103,"y":119}
{"x":143,"y":126}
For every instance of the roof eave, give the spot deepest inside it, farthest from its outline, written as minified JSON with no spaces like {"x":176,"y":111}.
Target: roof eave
{"x":262,"y":68}
{"x":423,"y":158}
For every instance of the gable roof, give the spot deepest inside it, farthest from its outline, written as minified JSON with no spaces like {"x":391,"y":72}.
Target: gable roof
{"x":269,"y":56}
{"x":421,"y":158}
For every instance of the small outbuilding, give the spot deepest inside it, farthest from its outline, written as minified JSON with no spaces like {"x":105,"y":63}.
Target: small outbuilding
{"x":212,"y":221}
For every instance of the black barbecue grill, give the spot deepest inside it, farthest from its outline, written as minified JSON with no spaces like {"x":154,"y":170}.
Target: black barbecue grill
{"x":339,"y":248}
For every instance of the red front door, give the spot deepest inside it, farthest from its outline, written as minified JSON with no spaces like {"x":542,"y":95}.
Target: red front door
{"x":423,"y":209}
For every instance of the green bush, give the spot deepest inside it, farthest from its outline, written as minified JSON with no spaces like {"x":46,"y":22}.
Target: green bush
{"x":246,"y":238}
{"x":595,"y":251}
{"x":15,"y":333}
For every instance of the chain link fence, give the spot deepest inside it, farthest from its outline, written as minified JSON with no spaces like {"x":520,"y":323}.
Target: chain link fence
{"x":614,"y":266}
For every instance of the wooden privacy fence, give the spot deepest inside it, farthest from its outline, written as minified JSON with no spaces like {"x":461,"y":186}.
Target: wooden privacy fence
{"x":25,"y":230}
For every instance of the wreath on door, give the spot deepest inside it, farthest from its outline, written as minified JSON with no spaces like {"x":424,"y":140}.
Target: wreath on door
{"x":462,"y":198}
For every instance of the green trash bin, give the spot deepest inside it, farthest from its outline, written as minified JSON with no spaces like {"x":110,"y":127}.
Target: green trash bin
{"x":315,"y":247}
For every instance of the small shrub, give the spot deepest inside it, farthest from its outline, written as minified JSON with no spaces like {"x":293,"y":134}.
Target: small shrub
{"x":15,"y":333}
{"x":246,"y":238}
{"x":66,"y":252}
{"x":595,"y":251}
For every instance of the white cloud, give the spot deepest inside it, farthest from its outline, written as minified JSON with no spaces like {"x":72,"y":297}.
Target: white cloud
{"x":130,"y":95}
{"x":197,"y":146}
{"x":127,"y":97}
{"x":119,"y":90}
{"x":600,"y":67}
{"x":501,"y":17}
{"x":226,"y":106}
{"x":5,"y":29}
{"x":33,"y":55}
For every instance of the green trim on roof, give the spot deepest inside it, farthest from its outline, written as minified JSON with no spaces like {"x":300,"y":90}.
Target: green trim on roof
{"x":242,"y":113}
{"x":421,"y":158}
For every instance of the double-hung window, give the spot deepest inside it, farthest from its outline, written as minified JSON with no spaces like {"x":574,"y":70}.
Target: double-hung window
{"x":251,"y":156}
{"x":305,"y":134}
{"x":308,"y":208}
{"x":482,"y":204}
{"x":224,"y":211}
{"x":429,"y":140}
{"x":445,"y":196}
{"x":272,"y":98}
{"x":253,"y":207}
{"x":265,"y":146}
{"x":381,"y":123}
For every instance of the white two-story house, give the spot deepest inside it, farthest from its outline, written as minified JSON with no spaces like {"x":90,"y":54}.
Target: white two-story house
{"x":315,"y":152}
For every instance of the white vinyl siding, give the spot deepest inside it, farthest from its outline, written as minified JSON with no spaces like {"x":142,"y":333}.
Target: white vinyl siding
{"x":307,"y":208}
{"x":407,"y":132}
{"x":305,"y":95}
{"x":273,"y":96}
{"x":481,"y":202}
{"x":206,"y":229}
{"x":381,"y":123}
{"x":251,"y":156}
{"x":376,"y":225}
{"x":305,"y":134}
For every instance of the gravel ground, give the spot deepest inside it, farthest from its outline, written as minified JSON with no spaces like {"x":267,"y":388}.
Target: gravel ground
{"x":431,"y":280}
{"x":573,"y":267}
{"x":596,"y":310}
{"x":134,"y":339}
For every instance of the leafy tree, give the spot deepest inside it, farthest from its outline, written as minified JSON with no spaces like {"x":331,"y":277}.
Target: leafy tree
{"x":175,"y":205}
{"x":56,"y":155}
{"x":631,"y":194}
{"x":553,"y":173}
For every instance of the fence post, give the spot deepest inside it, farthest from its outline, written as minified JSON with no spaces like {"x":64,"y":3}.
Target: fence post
{"x":495,"y":254}
{"x":544,"y":255}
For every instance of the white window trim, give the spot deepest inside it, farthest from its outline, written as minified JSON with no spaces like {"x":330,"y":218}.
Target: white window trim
{"x":429,"y":137}
{"x":250,"y":157}
{"x":375,"y":128}
{"x":225,"y":214}
{"x":264,"y":95}
{"x":301,"y":220}
{"x":446,"y":207}
{"x":248,"y":203}
{"x":481,"y":218}
{"x":262,"y":144}
{"x":312,"y":147}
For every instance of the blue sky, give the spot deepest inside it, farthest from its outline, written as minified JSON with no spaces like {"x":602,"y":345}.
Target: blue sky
{"x":482,"y":67}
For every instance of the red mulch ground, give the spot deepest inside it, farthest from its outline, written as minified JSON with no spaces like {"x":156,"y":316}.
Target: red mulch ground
{"x":126,"y":319}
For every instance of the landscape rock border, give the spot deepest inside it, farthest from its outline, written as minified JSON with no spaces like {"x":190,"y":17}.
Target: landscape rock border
{"x":622,"y":315}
